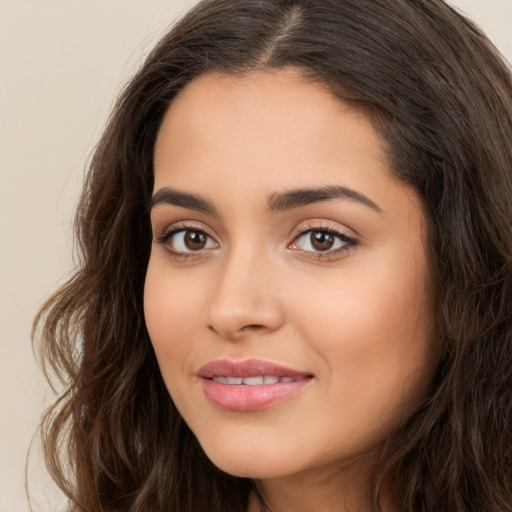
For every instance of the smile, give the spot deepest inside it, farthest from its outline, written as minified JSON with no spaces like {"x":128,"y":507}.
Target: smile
{"x":250,"y":385}
{"x":253,"y":381}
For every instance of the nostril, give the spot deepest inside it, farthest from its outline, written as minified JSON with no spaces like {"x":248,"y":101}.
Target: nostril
{"x":252,"y":328}
{"x":235,"y":333}
{"x":234,"y":319}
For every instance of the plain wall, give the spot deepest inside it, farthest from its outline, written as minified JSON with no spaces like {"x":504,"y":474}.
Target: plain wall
{"x":62,"y":63}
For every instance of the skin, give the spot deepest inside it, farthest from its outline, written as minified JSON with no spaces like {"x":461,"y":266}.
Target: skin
{"x":358,"y":317}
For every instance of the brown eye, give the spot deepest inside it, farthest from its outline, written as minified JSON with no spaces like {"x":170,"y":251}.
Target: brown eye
{"x":195,"y":240}
{"x":322,"y":240}
{"x":187,"y":240}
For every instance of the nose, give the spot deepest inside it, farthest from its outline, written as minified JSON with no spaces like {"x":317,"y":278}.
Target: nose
{"x":244,"y":300}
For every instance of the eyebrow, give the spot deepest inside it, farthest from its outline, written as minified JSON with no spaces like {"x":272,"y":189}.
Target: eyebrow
{"x":278,"y":202}
{"x":306,"y":196}
{"x":168,"y":195}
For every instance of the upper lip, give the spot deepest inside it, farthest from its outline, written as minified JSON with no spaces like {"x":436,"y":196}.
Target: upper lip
{"x":247,"y":368}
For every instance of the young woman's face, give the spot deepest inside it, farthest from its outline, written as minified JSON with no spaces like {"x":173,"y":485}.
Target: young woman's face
{"x":287,"y":295}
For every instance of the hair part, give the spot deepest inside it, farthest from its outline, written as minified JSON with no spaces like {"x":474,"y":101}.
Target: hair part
{"x":439,"y":95}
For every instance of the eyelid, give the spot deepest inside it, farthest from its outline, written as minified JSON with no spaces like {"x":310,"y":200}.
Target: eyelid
{"x":181,"y":226}
{"x":349,"y":242}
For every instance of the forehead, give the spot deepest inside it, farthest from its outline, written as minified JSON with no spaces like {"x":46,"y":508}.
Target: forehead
{"x":277,"y":110}
{"x":277,"y":89}
{"x":268,"y":131}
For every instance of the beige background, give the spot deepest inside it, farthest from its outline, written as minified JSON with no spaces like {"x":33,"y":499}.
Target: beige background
{"x":61,"y":64}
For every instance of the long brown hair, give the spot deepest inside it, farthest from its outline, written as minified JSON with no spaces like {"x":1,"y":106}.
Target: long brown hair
{"x":440,"y":96}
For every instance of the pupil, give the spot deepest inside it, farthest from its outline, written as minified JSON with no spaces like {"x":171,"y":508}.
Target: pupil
{"x":195,"y":240}
{"x":321,"y":240}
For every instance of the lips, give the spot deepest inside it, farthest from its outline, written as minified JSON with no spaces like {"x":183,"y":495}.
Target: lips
{"x":250,"y":385}
{"x":252,"y":381}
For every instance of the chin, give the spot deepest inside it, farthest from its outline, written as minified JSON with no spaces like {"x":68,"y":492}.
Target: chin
{"x":257,"y":470}
{"x":244,"y":460}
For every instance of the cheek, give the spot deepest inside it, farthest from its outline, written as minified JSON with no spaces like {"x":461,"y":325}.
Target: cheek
{"x":171,"y":314}
{"x":366,"y":303}
{"x":375,"y":333}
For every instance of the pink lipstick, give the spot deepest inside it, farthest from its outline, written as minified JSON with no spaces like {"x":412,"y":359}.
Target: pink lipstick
{"x":251,"y":384}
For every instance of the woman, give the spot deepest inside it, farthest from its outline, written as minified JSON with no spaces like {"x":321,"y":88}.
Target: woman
{"x":296,"y":283}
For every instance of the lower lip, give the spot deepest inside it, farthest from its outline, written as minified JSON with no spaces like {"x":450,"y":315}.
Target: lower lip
{"x":233,"y":397}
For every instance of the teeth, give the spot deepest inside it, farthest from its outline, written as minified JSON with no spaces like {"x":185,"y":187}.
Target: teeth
{"x":253,"y":381}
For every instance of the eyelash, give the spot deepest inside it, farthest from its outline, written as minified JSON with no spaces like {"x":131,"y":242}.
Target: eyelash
{"x":348,"y":243}
{"x":329,"y":254}
{"x":181,"y":228}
